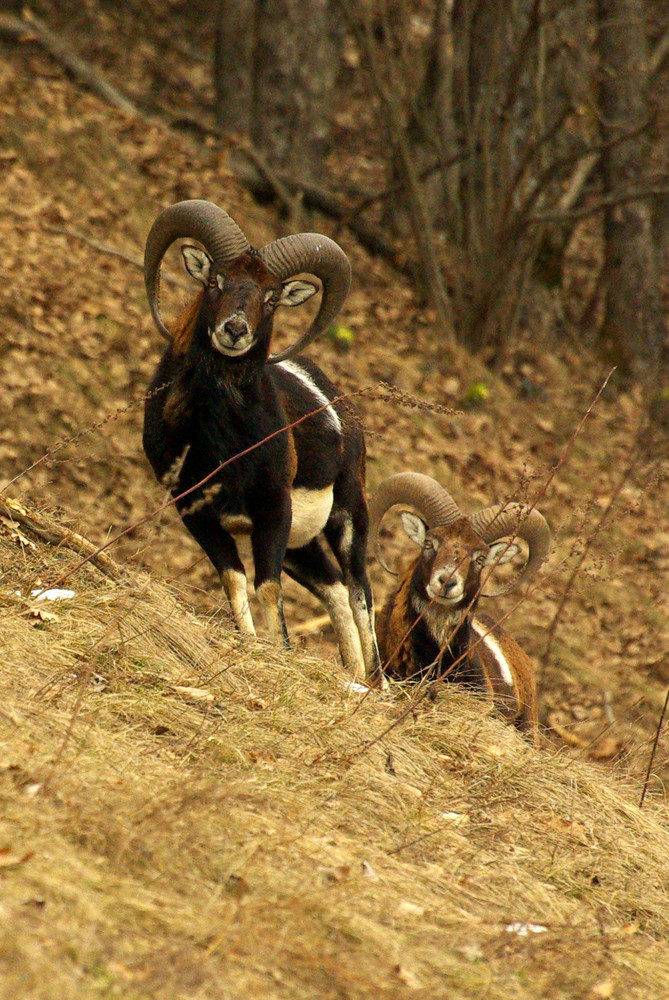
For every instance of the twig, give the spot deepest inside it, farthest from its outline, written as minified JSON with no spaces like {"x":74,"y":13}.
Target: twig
{"x":599,"y":206}
{"x":54,"y":534}
{"x":652,"y":752}
{"x":136,"y":261}
{"x":65,"y":442}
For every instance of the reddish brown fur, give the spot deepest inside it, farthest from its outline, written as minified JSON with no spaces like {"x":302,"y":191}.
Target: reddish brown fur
{"x":392,"y":623}
{"x":184,"y":325}
{"x":402,"y":641}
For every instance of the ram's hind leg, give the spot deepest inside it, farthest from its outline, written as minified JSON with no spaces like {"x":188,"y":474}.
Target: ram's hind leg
{"x":347,"y":534}
{"x":311,"y":568}
{"x":222,"y":551}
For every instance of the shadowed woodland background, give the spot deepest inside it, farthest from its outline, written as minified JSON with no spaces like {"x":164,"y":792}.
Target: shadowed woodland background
{"x":498,"y":176}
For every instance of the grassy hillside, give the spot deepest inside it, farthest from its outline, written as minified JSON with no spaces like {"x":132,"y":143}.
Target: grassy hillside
{"x":188,"y":816}
{"x":184,"y":815}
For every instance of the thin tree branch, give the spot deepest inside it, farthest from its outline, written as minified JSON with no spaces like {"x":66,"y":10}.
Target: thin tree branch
{"x":640,"y":195}
{"x":55,"y":534}
{"x":136,"y":261}
{"x":652,"y":752}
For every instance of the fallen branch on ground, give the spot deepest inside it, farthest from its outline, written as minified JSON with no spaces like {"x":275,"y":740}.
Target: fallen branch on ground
{"x":55,"y":534}
{"x":32,"y":29}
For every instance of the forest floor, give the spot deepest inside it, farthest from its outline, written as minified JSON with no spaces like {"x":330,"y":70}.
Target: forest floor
{"x":255,"y":766}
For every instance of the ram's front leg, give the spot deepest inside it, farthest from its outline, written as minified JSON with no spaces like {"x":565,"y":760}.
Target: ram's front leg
{"x":220,"y":546}
{"x":269,"y":538}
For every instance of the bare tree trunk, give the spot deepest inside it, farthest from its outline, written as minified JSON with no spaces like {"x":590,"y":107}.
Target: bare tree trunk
{"x":276,"y":63}
{"x":234,"y":64}
{"x":633,"y":329}
{"x":430,"y":135}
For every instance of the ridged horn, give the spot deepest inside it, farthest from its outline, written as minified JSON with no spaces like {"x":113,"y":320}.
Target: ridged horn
{"x":197,"y":220}
{"x":314,"y":254}
{"x":523,"y":522}
{"x":434,"y":503}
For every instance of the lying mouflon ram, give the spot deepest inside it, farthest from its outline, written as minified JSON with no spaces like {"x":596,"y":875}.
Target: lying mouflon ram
{"x":218,"y":392}
{"x":430,"y":626}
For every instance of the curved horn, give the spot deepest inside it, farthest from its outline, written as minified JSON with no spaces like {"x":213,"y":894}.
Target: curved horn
{"x":524,"y":522}
{"x":313,"y":254}
{"x":431,"y":500}
{"x":197,"y":220}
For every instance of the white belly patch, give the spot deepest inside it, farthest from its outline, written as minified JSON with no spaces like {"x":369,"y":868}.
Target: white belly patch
{"x":311,"y":509}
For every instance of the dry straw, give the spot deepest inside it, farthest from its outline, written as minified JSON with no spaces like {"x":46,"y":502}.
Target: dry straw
{"x":186,"y":814}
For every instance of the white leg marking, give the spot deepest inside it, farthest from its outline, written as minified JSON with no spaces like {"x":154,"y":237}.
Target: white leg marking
{"x":311,"y":509}
{"x":335,"y":599}
{"x":319,"y":396}
{"x":364,"y":620}
{"x":495,"y":648}
{"x":234,"y":584}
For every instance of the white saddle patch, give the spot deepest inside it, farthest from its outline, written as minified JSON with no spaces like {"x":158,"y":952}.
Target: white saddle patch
{"x":311,"y":510}
{"x":320,"y":398}
{"x":495,"y":648}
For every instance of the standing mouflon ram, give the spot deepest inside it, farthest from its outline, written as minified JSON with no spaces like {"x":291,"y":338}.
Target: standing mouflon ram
{"x":430,"y":626}
{"x":218,"y":392}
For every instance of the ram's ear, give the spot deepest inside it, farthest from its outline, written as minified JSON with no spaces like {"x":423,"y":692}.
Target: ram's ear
{"x":294,"y":293}
{"x":198,"y":263}
{"x":414,"y":526}
{"x":501,"y":552}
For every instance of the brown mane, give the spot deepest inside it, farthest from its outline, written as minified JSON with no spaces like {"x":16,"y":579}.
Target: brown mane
{"x":184,"y":325}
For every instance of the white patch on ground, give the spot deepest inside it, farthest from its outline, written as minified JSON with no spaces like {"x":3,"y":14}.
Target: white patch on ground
{"x":318,"y":394}
{"x":495,"y":648}
{"x":52,"y":595}
{"x":524,"y":929}
{"x":355,"y":688}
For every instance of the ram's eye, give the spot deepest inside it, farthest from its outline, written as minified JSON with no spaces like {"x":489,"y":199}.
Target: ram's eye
{"x":480,"y":558}
{"x":269,"y":298}
{"x":429,"y":545}
{"x":213,"y":283}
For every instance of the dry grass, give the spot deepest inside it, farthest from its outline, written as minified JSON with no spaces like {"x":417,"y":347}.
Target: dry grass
{"x":186,"y":815}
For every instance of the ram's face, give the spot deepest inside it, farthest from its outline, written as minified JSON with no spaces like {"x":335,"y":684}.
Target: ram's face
{"x":452,"y":559}
{"x":238,"y":305}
